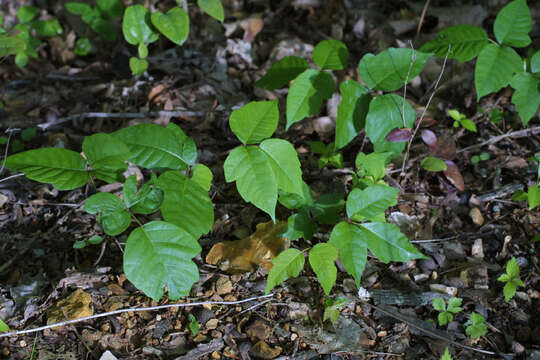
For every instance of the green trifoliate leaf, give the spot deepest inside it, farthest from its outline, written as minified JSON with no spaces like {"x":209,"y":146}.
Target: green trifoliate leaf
{"x":533,"y":195}
{"x":63,"y":168}
{"x":387,"y":243}
{"x":328,"y":207}
{"x":282,"y":72}
{"x":351,"y":243}
{"x":438,"y":304}
{"x":27,"y":13}
{"x":454,"y":305}
{"x":107,"y":156}
{"x":3,"y":326}
{"x":307,"y":93}
{"x":321,"y":259}
{"x":494,"y":69}
{"x":145,"y":200}
{"x":369,"y":203}
{"x":188,"y":149}
{"x":113,"y":216}
{"x":160,"y":254}
{"x":477,"y":327}
{"x":153,"y":146}
{"x":372,"y":164}
{"x":287,"y":264}
{"x":444,"y":318}
{"x":513,"y":24}
{"x":388,"y":70}
{"x":331,"y":54}
{"x":174,"y":24}
{"x":299,"y":226}
{"x":136,"y":26}
{"x":431,"y":163}
{"x":137,"y":66}
{"x":255,"y":179}
{"x":255,"y":121}
{"x":385,"y":114}
{"x":294,"y":201}
{"x":535,"y":62}
{"x":284,"y":161}
{"x":465,"y":41}
{"x":526,"y":98}
{"x":352,"y":111}
{"x":214,"y":8}
{"x":185,"y":203}
{"x":202,"y":175}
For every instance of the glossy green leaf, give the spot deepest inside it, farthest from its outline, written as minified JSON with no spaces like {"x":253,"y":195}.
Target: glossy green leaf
{"x":255,"y":179}
{"x":81,"y":244}
{"x":63,"y":168}
{"x":535,"y":62}
{"x":287,"y":264}
{"x":331,"y":54}
{"x":369,"y":203}
{"x":95,"y":240}
{"x":113,"y":216}
{"x":513,"y":24}
{"x":294,"y":201}
{"x":188,"y":149}
{"x":351,"y":243}
{"x":388,"y":70}
{"x":145,"y":200}
{"x":299,"y":226}
{"x":477,"y":326}
{"x":387,"y":243}
{"x":47,"y":28}
{"x":107,"y":156}
{"x":185,"y":203}
{"x":468,"y":124}
{"x":352,"y":111}
{"x":384,"y":115}
{"x":284,"y":161}
{"x":27,"y":13}
{"x":494,"y":69}
{"x":431,"y":163}
{"x":465,"y":41}
{"x":174,"y":24}
{"x":255,"y":121}
{"x":533,"y":195}
{"x":3,"y":326}
{"x":83,"y":46}
{"x":110,"y":9}
{"x":307,"y":93}
{"x":136,"y":26}
{"x":327,"y":209}
{"x":202,"y":175}
{"x":282,"y":72}
{"x":372,"y":164}
{"x":526,"y":98}
{"x":137,"y":66}
{"x":160,"y":254}
{"x":153,"y":146}
{"x":321,"y":259}
{"x":214,"y":8}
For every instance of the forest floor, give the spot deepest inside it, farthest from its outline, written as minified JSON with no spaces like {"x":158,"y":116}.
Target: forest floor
{"x":469,"y":231}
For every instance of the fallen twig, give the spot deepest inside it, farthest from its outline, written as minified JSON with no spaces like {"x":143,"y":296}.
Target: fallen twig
{"x":496,"y":139}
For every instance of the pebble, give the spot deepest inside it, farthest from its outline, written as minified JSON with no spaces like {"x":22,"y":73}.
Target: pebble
{"x":476,"y":216}
{"x":443,"y":289}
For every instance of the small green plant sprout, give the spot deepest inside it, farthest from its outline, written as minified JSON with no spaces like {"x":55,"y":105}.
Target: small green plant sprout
{"x":332,"y":308}
{"x":462,"y":120}
{"x":98,"y":18}
{"x":194,"y":325}
{"x":495,"y":116}
{"x":328,"y":154}
{"x":511,"y":279}
{"x":476,"y":326}
{"x":94,"y":240}
{"x":446,"y":313}
{"x":446,"y":355}
{"x":475,"y":159}
{"x":3,"y":326}
{"x":532,"y":196}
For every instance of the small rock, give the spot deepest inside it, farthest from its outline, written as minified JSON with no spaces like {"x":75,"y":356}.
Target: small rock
{"x":522,"y":261}
{"x":476,"y":217}
{"x":223,"y":286}
{"x":517,"y":348}
{"x":478,"y":249}
{"x":421,"y":277}
{"x":212,"y":324}
{"x":107,"y":355}
{"x":259,"y":330}
{"x":443,"y":289}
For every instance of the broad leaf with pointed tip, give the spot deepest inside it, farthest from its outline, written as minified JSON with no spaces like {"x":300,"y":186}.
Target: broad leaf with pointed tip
{"x":331,"y":54}
{"x":136,"y":26}
{"x":321,"y":259}
{"x":299,"y":225}
{"x":188,"y":149}
{"x":465,"y":41}
{"x":369,"y":203}
{"x":284,"y":161}
{"x":113,"y":216}
{"x":287,"y":264}
{"x":389,"y":69}
{"x":106,"y":155}
{"x":174,"y":24}
{"x":160,"y":254}
{"x":145,"y":200}
{"x":352,"y":111}
{"x":202,"y":175}
{"x":494,"y":68}
{"x":282,"y":72}
{"x":63,"y":168}
{"x":526,"y":98}
{"x":513,"y":24}
{"x":214,"y":8}
{"x":352,"y":246}
{"x":255,"y":121}
{"x":185,"y":203}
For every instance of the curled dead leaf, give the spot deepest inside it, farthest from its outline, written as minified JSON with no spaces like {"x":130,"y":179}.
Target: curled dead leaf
{"x":453,"y":174}
{"x":430,"y":139}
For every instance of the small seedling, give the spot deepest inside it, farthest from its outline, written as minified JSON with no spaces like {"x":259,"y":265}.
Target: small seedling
{"x":194,"y":325}
{"x":475,"y":159}
{"x":511,"y":278}
{"x":446,"y":313}
{"x":495,"y":116}
{"x":332,"y":308}
{"x":532,"y":196}
{"x":462,"y":120}
{"x":328,"y":154}
{"x":446,"y":355}
{"x":476,"y":326}
{"x":3,"y":326}
{"x":94,"y":240}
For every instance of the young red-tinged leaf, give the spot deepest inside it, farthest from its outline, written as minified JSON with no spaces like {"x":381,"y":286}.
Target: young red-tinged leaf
{"x":429,"y":138}
{"x":453,"y":174}
{"x":287,"y":264}
{"x":399,"y":135}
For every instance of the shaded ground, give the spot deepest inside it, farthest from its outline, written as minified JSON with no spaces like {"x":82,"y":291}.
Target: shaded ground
{"x":471,"y":233}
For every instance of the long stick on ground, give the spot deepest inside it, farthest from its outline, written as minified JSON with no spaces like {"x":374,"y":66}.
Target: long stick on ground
{"x":138,"y":309}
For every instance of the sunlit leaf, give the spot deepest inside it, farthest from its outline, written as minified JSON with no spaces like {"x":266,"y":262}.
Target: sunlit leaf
{"x":287,"y":264}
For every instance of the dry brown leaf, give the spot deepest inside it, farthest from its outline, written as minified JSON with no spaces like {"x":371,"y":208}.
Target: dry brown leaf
{"x":453,"y":174}
{"x":75,"y":306}
{"x":252,"y":27}
{"x":264,"y":351}
{"x":247,"y":254}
